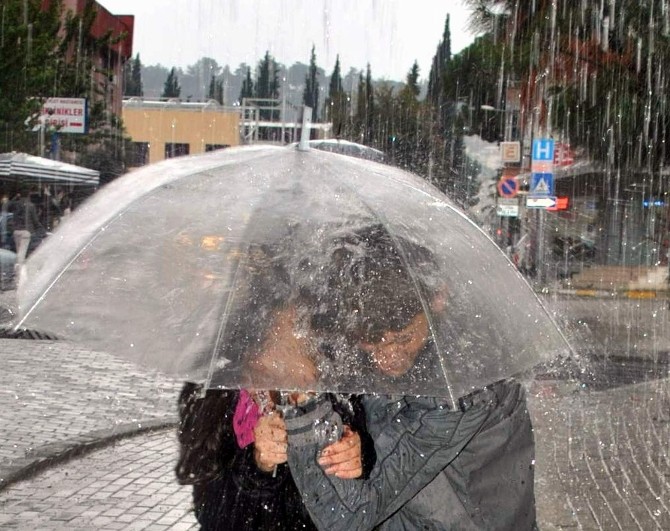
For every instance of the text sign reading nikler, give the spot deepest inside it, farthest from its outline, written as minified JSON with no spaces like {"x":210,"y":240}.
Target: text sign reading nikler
{"x":64,"y":115}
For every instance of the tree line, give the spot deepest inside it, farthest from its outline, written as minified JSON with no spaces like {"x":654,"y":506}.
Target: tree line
{"x":43,"y":53}
{"x":419,"y":128}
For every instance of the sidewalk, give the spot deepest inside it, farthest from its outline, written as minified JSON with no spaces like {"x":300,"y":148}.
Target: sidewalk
{"x":57,"y":399}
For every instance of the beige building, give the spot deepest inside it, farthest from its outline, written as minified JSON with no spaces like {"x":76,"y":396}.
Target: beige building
{"x":172,"y":128}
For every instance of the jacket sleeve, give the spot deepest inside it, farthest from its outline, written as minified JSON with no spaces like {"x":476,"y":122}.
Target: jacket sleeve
{"x":411,"y":450}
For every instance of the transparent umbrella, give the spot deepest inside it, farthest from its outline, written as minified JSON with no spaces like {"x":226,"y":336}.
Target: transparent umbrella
{"x":196,"y":265}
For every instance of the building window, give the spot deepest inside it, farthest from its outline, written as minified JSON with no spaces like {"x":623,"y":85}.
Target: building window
{"x":175,"y":150}
{"x":214,"y":147}
{"x":139,"y":154}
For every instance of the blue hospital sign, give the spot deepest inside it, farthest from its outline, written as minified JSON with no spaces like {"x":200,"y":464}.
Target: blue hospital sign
{"x":542,"y":156}
{"x":543,"y":149}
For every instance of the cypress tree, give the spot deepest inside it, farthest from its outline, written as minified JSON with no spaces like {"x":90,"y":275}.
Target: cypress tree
{"x":310,"y":96}
{"x":171,"y":88}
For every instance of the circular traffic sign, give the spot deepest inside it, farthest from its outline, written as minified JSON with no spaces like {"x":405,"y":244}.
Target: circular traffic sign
{"x":508,"y":186}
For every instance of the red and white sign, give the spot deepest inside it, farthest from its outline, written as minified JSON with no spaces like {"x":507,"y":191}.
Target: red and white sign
{"x":65,"y":115}
{"x":563,"y":155}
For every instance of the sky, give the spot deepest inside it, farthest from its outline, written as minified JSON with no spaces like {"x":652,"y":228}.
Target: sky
{"x":388,"y":34}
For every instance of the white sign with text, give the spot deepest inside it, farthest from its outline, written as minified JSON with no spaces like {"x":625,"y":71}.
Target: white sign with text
{"x":64,"y":115}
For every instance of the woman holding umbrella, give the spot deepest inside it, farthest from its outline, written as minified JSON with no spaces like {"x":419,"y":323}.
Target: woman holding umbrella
{"x":439,"y":465}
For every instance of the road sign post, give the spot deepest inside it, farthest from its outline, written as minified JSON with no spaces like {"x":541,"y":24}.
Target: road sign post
{"x":541,"y":191}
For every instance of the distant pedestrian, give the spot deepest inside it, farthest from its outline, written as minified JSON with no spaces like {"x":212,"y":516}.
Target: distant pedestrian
{"x":26,"y":223}
{"x":4,"y":222}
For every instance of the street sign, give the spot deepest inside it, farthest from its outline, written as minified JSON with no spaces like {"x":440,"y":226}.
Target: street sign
{"x":541,"y":184}
{"x":510,"y":151}
{"x":562,"y":203}
{"x":507,"y":207}
{"x":563,"y":155}
{"x":540,"y":202}
{"x":542,"y":156}
{"x":508,"y":186}
{"x":507,"y":211}
{"x":65,"y":115}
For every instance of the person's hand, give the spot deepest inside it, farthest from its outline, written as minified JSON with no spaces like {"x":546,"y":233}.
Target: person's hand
{"x":270,"y":447}
{"x":342,"y":459}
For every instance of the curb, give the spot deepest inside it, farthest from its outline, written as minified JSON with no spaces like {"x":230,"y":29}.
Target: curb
{"x":51,"y":454}
{"x":607,"y":294}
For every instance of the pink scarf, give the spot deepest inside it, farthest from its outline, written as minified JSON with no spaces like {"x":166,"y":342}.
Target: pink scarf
{"x":245,"y":418}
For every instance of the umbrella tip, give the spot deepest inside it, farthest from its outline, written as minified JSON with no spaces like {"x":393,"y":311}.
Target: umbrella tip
{"x":306,"y":129}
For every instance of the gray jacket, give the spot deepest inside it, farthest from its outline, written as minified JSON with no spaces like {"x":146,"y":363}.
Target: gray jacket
{"x":436,"y":468}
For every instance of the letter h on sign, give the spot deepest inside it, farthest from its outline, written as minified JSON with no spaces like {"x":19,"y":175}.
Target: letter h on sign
{"x":542,"y":156}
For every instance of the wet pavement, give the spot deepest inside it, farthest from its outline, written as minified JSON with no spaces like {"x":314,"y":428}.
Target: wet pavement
{"x":73,"y":454}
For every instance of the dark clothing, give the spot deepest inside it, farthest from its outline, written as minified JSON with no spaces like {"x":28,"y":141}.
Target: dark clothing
{"x":437,"y":467}
{"x":229,"y":490}
{"x":25,"y":215}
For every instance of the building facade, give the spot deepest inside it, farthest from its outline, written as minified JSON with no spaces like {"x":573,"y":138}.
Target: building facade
{"x":164,"y":129}
{"x":109,"y":63}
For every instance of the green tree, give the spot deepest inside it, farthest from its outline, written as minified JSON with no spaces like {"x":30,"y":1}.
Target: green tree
{"x":438,"y":69}
{"x":337,"y":103}
{"x":267,"y":86}
{"x":133,"y":77}
{"x":171,"y":88}
{"x":215,"y":91}
{"x":594,"y":70}
{"x":30,"y":53}
{"x":46,"y":53}
{"x":247,"y":90}
{"x":310,"y":96}
{"x":365,"y":108}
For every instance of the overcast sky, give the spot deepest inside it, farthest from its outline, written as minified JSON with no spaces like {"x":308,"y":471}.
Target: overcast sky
{"x":389,"y":34}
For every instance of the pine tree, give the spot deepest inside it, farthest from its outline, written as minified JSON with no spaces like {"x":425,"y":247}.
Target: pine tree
{"x":337,"y":105}
{"x":310,"y":96}
{"x":369,"y":106}
{"x":267,"y":85}
{"x":439,"y":67}
{"x":171,"y":88}
{"x":133,"y":78}
{"x":211,"y":92}
{"x":247,"y":90}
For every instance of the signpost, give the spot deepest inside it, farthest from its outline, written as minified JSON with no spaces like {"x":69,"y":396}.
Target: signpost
{"x":66,"y":115}
{"x":541,"y":190}
{"x":542,"y":167}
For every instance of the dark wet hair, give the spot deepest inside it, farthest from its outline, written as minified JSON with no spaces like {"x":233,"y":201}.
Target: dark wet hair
{"x":369,"y":286}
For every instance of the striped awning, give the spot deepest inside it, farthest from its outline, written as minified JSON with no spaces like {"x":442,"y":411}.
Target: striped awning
{"x":24,"y":168}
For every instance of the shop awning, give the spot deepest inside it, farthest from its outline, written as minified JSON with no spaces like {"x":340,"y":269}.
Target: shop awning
{"x":24,"y":168}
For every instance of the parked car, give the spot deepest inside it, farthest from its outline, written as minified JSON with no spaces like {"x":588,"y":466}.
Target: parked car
{"x":573,"y":258}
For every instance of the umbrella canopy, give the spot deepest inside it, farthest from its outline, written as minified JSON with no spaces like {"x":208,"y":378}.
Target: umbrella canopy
{"x":190,"y":265}
{"x":31,"y":169}
{"x":345,"y":147}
